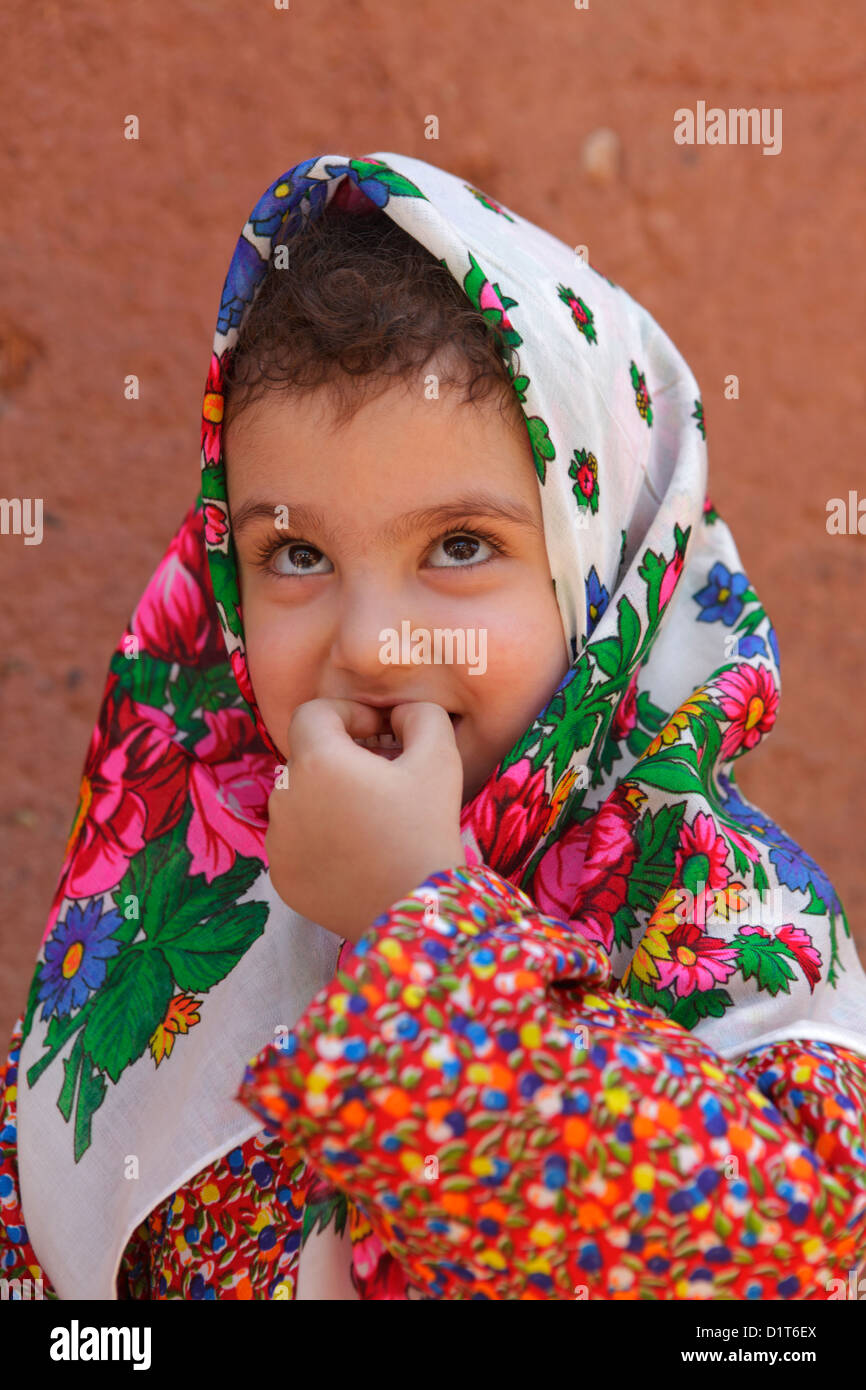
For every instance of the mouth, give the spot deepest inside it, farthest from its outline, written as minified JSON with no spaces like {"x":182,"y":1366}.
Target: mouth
{"x":386,"y":745}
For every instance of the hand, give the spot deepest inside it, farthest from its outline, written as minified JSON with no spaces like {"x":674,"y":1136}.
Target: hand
{"x":353,"y":832}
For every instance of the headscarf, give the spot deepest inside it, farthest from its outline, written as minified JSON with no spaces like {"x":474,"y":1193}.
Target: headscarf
{"x":169,"y":960}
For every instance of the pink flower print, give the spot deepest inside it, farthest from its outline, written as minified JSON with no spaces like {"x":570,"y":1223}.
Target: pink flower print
{"x":509,"y":816}
{"x":750,"y":699}
{"x":489,"y":299}
{"x":799,"y":943}
{"x":625,"y":715}
{"x":670,"y":577}
{"x":703,"y":850}
{"x":173,"y":619}
{"x":229,"y":790}
{"x":584,"y":875}
{"x":215,"y":524}
{"x":696,"y":961}
{"x":212,"y":411}
{"x":133,"y":789}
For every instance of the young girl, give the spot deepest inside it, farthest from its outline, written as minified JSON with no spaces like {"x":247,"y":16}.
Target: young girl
{"x":597,"y":1028}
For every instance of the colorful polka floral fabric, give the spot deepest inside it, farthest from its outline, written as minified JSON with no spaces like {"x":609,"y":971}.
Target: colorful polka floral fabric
{"x":513,"y":1129}
{"x":234,"y":1232}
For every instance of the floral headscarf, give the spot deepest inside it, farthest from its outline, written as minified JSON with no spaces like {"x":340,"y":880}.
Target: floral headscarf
{"x":169,"y":960}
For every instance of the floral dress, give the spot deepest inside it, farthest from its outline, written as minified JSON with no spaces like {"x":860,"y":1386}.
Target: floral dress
{"x":486,"y":1115}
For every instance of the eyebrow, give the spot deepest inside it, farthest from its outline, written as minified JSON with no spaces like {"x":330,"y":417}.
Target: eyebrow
{"x":476,"y":504}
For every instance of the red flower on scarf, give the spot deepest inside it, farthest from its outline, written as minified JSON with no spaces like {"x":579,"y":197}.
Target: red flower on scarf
{"x":173,"y":620}
{"x":750,"y":700}
{"x":669,"y":578}
{"x":133,"y":789}
{"x":212,"y":411}
{"x":586,"y":476}
{"x":242,"y":675}
{"x":508,"y":817}
{"x":702,"y":843}
{"x":489,"y":299}
{"x":799,"y":943}
{"x":215,"y":524}
{"x":697,"y":961}
{"x":585,"y":874}
{"x":625,"y":715}
{"x":229,"y":789}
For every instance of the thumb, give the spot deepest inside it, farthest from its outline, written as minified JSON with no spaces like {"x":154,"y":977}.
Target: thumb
{"x":424,"y":729}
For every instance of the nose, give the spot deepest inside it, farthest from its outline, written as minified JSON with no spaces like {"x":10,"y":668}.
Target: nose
{"x":367,"y":636}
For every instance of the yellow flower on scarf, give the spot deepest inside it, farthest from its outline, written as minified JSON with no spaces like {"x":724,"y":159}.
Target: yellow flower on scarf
{"x":677,"y":723}
{"x":654,"y":944}
{"x":180,"y":1016}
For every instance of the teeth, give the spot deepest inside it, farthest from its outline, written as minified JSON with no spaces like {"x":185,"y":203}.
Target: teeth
{"x":378,"y":741}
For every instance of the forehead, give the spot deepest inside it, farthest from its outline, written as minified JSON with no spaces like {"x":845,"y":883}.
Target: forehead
{"x":400,"y":439}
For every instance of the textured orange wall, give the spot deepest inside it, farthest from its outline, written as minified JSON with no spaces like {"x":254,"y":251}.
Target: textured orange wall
{"x":114,"y":254}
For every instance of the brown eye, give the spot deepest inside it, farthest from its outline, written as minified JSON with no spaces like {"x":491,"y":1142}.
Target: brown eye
{"x":462,"y":549}
{"x":298,"y":558}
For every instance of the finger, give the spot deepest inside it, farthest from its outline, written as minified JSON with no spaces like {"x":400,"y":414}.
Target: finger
{"x":422,"y":728}
{"x":315,"y":721}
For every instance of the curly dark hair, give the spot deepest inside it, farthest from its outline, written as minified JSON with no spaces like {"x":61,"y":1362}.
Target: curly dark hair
{"x":359,"y":304}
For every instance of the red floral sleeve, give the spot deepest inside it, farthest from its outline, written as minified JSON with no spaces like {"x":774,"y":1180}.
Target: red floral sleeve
{"x":513,"y":1129}
{"x":18,"y":1263}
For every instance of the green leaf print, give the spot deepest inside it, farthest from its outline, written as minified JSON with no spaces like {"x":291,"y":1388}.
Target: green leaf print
{"x":78,"y":1070}
{"x":656,"y":837}
{"x":172,"y":901}
{"x":650,"y":716}
{"x":768,"y":960}
{"x":394,"y":182}
{"x":572,"y":728}
{"x":71,"y":1068}
{"x":614,"y":655}
{"x":223,"y":570}
{"x":669,"y":774}
{"x":177,"y":933}
{"x":607,"y":655}
{"x":541,"y":443}
{"x":91,"y":1094}
{"x":651,"y":570}
{"x":202,"y":955}
{"x":127,"y":1010}
{"x":212,"y":689}
{"x":638,"y":742}
{"x":145,"y":678}
{"x":646,"y":993}
{"x":624,"y":923}
{"x":319,"y":1215}
{"x":709,"y":1003}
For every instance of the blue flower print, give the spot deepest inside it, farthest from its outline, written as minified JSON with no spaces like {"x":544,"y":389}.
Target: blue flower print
{"x":722,"y":597}
{"x":75,"y":957}
{"x":597,"y":599}
{"x":794,"y":867}
{"x":748,"y":646}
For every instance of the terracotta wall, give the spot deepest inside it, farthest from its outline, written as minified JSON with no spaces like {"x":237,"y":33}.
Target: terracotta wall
{"x":114,"y":253}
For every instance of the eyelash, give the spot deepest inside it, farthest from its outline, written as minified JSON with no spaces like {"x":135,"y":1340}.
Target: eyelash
{"x":270,"y":547}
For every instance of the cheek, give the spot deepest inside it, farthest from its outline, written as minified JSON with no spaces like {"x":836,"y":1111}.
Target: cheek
{"x":279,"y":677}
{"x":534,"y":655}
{"x":527,"y":661}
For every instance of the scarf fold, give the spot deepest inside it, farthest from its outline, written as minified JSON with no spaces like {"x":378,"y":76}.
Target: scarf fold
{"x":168,"y":959}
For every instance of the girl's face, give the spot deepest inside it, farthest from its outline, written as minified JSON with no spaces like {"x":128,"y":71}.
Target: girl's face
{"x":333,"y":549}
